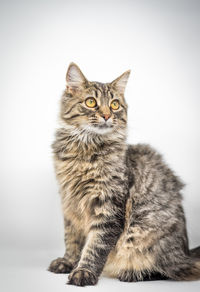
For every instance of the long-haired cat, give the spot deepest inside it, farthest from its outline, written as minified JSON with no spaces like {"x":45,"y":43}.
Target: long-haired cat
{"x":122,"y":206}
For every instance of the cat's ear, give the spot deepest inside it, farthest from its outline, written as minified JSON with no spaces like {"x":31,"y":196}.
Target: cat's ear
{"x":120,"y":83}
{"x":74,"y":77}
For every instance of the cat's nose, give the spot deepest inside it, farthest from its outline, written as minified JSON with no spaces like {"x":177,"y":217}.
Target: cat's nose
{"x":106,"y":116}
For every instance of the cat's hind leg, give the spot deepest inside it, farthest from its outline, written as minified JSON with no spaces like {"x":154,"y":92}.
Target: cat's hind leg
{"x":186,"y":270}
{"x":127,"y":276}
{"x":138,"y":276}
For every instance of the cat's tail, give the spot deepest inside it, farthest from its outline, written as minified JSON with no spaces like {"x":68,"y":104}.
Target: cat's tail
{"x":187,"y":268}
{"x":195,"y":252}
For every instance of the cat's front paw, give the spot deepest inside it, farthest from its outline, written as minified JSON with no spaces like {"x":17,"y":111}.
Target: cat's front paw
{"x":60,"y":266}
{"x":82,"y":277}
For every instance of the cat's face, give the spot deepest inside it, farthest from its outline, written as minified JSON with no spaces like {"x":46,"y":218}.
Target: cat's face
{"x":94,"y":107}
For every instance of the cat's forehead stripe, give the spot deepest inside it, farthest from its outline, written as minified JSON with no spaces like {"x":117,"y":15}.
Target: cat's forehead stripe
{"x":110,"y":94}
{"x":98,"y":86}
{"x":100,"y":90}
{"x":96,"y":93}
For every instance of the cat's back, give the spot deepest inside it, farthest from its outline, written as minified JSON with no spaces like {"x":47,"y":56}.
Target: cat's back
{"x":150,"y":172}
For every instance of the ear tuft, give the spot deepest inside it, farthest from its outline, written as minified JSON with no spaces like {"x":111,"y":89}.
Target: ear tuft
{"x":75,"y":77}
{"x":121,"y":81}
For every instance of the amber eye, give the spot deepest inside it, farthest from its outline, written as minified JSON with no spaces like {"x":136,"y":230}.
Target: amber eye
{"x":114,"y":104}
{"x":90,"y":102}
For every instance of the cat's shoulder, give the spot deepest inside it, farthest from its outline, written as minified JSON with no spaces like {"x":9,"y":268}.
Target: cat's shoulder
{"x":145,"y":161}
{"x":143,"y":152}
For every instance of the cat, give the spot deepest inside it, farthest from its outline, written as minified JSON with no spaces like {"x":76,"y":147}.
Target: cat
{"x":122,"y":204}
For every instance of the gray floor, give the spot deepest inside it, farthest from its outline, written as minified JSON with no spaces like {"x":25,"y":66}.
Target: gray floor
{"x":26,"y":271}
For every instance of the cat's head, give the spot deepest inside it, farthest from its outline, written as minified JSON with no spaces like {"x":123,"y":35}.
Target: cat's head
{"x":93,"y":107}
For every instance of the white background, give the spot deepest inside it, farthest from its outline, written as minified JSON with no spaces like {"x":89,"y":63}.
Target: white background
{"x":159,"y":41}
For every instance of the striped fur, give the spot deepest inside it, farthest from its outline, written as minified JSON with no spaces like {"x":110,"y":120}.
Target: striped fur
{"x":121,"y":203}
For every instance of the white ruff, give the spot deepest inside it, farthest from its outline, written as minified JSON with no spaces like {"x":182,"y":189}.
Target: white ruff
{"x":89,"y":134}
{"x":100,"y":131}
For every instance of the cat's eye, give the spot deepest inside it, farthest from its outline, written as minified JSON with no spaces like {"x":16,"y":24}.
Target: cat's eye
{"x":91,"y":102}
{"x":114,"y":104}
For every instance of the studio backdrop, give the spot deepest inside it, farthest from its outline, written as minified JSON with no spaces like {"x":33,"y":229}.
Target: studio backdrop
{"x":158,"y":40}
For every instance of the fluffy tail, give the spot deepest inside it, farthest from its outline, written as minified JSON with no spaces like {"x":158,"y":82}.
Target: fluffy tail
{"x":195,"y":252}
{"x":188,"y":268}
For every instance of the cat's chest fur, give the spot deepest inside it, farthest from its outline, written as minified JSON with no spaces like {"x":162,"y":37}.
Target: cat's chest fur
{"x":84,"y":175}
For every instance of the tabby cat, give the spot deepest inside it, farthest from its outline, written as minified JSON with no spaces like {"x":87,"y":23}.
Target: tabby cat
{"x":122,"y":205}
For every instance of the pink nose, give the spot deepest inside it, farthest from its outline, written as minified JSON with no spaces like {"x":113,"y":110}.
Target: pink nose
{"x":106,"y":117}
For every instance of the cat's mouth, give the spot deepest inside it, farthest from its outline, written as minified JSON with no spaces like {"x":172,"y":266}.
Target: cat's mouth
{"x":99,"y":128}
{"x":103,"y":126}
